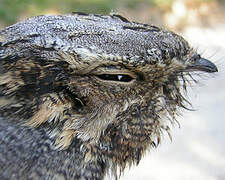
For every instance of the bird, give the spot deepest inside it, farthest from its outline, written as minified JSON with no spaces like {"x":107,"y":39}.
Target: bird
{"x":87,"y":95}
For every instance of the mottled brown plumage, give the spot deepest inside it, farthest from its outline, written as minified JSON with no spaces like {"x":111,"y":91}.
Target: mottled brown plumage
{"x":83,"y":95}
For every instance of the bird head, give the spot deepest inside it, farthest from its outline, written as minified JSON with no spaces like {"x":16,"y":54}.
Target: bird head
{"x":111,"y":83}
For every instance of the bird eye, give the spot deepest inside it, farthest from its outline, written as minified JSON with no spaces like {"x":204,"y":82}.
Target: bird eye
{"x":115,"y":77}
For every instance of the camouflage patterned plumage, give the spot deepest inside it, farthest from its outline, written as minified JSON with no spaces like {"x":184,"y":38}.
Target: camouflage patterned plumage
{"x":82,"y":95}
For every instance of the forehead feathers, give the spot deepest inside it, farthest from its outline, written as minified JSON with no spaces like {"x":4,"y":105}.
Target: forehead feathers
{"x":110,"y":38}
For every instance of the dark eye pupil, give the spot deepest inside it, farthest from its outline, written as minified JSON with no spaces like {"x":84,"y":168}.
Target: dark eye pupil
{"x":115,"y":77}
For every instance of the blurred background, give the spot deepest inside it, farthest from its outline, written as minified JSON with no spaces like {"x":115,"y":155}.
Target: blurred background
{"x":198,"y":148}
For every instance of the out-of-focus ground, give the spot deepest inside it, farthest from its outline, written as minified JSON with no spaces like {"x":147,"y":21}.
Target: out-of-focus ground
{"x":197,"y":151}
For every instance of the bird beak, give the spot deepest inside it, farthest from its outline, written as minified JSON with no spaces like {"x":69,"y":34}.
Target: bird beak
{"x":203,"y":65}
